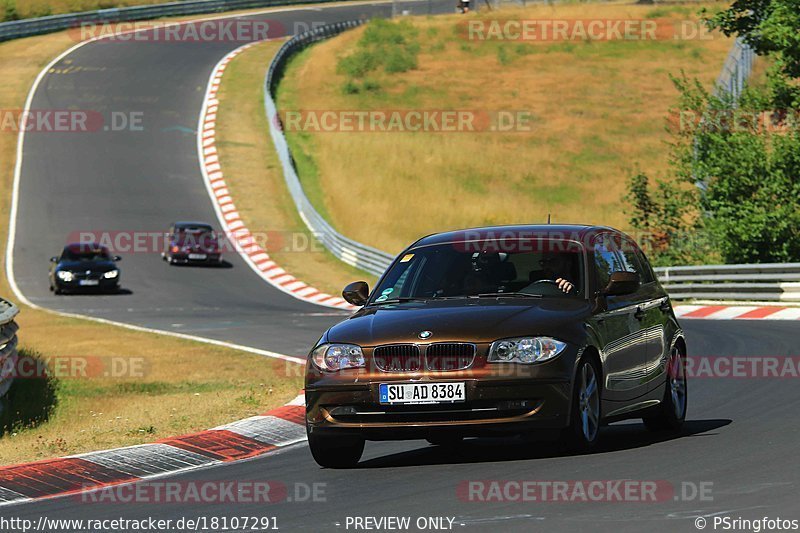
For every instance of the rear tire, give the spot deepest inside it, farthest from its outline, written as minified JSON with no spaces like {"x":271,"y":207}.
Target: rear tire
{"x":671,"y":413}
{"x":583,"y":432}
{"x":336,"y":452}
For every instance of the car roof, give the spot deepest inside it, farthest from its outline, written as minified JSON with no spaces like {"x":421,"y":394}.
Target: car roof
{"x":525,"y":231}
{"x":79,"y":247}
{"x":189,"y":224}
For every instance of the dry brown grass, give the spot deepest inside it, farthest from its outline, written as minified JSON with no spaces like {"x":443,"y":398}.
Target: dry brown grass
{"x":599,"y":112}
{"x":255,"y":179}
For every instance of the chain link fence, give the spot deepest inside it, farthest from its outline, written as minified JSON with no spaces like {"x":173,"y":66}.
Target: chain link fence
{"x":736,"y":70}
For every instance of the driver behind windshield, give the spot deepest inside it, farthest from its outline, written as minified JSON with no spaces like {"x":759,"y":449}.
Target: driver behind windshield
{"x":448,"y":271}
{"x":558,"y":267}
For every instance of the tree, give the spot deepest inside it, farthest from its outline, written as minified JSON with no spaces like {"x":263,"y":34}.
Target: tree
{"x":768,"y":26}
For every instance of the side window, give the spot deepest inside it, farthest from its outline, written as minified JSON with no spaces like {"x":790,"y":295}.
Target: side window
{"x":630,"y":262}
{"x":606,"y":260}
{"x":648,"y":276}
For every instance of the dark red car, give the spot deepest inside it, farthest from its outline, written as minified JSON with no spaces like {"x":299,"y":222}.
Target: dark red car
{"x":192,"y":242}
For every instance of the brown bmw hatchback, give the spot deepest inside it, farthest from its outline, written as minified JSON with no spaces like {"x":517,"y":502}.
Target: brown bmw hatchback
{"x":533,"y":330}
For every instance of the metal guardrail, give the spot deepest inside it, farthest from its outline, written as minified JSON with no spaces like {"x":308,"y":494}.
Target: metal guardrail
{"x":773,"y":282}
{"x":8,"y":345}
{"x":37,"y":26}
{"x":347,"y":250}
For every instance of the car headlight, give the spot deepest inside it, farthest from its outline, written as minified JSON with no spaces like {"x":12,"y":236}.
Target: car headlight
{"x":525,"y":350}
{"x":111,"y":274}
{"x":65,"y":275}
{"x":333,"y":357}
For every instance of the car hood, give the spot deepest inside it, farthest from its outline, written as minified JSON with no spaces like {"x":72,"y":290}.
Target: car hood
{"x":478,"y":321}
{"x":83,"y":266}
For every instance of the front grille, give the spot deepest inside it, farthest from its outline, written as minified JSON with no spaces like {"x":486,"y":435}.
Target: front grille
{"x":398,"y":358}
{"x":83,"y":275}
{"x":445,"y":356}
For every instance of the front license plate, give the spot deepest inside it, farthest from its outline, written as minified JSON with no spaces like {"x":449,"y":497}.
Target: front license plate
{"x":88,"y":282}
{"x":197,"y":256}
{"x":416,"y":393}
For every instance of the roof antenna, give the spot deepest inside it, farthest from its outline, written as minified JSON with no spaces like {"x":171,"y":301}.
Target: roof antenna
{"x":548,"y":218}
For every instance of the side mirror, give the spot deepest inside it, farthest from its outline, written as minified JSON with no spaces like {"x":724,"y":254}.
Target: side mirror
{"x":54,"y":259}
{"x":356,"y":293}
{"x":622,"y":283}
{"x":116,"y":258}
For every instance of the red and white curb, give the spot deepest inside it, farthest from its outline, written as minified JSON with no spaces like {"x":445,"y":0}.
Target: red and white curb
{"x":91,"y":471}
{"x":247,"y":246}
{"x":737,"y":312}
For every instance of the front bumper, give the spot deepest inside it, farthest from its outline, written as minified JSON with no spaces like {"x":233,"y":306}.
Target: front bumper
{"x":490,"y":409}
{"x":211,"y":258}
{"x":103,"y":285}
{"x":500,"y":399}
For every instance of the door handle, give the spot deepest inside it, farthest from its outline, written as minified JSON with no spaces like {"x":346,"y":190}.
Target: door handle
{"x":664,"y":305}
{"x":639,"y":314}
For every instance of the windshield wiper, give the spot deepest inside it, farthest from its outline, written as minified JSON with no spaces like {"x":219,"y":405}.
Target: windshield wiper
{"x":401,"y":299}
{"x":508,"y":294}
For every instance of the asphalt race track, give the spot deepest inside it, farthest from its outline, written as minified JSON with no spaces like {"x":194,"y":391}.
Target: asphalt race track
{"x":139,"y":182}
{"x":740,"y":441}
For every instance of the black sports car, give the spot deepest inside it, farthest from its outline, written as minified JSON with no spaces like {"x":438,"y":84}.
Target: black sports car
{"x":192,"y":242}
{"x":85,"y":267}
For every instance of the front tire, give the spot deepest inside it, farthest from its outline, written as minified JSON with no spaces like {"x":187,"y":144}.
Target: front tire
{"x":336,"y":452}
{"x":583,"y":432}
{"x":671,"y":414}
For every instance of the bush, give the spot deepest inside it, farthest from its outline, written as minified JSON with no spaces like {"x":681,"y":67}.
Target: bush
{"x":9,"y":11}
{"x":350,"y":87}
{"x":400,"y":60}
{"x":735,"y":189}
{"x":358,"y":64}
{"x":392,"y":46}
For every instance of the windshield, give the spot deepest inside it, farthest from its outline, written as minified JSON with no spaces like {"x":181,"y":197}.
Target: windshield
{"x":552,"y":269}
{"x":86,"y":254}
{"x":200,"y":236}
